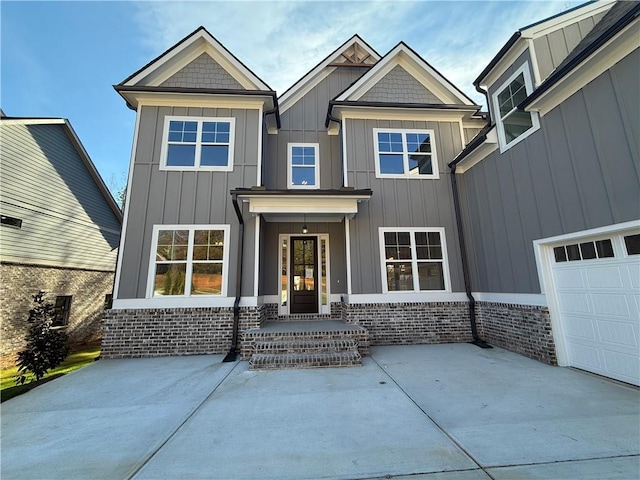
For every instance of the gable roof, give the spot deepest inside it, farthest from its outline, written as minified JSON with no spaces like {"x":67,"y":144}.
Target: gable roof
{"x":187,"y":49}
{"x":542,"y":27}
{"x":366,"y":57}
{"x":417,"y":67}
{"x":77,"y":145}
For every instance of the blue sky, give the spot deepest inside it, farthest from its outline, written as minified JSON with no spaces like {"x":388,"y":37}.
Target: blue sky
{"x":61,"y":58}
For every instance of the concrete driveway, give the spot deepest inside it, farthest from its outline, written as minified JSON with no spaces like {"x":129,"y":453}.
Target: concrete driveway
{"x":437,"y":412}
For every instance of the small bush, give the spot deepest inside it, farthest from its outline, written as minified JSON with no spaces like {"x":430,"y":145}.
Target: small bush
{"x":46,"y":346}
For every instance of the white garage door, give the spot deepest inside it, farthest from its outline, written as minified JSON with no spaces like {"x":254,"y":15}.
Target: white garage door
{"x":597,"y":288}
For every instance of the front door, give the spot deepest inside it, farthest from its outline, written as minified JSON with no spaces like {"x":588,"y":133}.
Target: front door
{"x":304,"y":269}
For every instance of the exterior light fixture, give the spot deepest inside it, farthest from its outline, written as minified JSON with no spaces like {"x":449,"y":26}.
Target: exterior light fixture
{"x":304,"y":225}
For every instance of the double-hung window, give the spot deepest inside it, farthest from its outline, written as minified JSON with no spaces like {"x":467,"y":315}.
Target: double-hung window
{"x":405,"y":153}
{"x":303,"y":168}
{"x":189,"y":260}
{"x":413,"y":260}
{"x":514,"y":124}
{"x":198,"y":143}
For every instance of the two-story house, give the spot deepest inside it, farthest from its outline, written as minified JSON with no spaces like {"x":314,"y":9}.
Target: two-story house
{"x":59,"y":232}
{"x":369,"y":192}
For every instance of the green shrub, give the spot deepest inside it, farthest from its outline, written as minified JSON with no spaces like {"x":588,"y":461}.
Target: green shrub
{"x":46,"y":347}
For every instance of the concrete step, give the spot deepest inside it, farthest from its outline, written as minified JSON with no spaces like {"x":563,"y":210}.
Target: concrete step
{"x":304,"y":345}
{"x":275,"y":361}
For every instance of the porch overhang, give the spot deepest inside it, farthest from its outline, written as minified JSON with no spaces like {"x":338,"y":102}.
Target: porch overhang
{"x":303,"y":205}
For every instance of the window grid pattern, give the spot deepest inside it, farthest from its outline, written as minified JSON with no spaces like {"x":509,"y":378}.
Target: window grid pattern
{"x":406,"y":153}
{"x":584,"y":251}
{"x":189,"y":262}
{"x":303,"y":166}
{"x":199,"y":143}
{"x":413,"y":261}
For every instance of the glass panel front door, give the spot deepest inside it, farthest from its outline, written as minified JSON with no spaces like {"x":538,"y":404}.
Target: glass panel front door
{"x":304,"y":275}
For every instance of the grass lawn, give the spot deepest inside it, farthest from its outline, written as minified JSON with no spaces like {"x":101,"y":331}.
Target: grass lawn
{"x":76,"y":360}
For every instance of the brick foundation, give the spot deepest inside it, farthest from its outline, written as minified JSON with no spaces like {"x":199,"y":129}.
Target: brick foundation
{"x":20,"y":282}
{"x":524,"y":329}
{"x":173,"y":331}
{"x":272,"y":315}
{"x":411,"y":323}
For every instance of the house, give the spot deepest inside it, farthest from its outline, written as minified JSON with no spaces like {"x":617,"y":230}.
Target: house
{"x":59,"y":231}
{"x":347,"y":197}
{"x":551,"y":193}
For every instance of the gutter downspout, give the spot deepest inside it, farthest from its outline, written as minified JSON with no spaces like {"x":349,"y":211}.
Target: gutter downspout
{"x":465,"y":265}
{"x":232,"y":355}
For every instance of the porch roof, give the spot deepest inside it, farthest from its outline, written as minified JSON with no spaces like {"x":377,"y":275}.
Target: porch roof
{"x":321,"y":205}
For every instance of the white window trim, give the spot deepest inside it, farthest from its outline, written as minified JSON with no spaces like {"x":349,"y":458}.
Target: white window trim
{"x":405,"y":153}
{"x":316,"y":148}
{"x":502,"y":141}
{"x":196,"y":166}
{"x":189,"y":261}
{"x":414,"y":260}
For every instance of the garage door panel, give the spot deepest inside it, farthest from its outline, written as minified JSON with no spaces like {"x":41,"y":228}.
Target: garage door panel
{"x":610,"y":304}
{"x":604,"y":277}
{"x":579,"y":327}
{"x":598,"y":303}
{"x":617,"y":333}
{"x":569,"y":278}
{"x":622,"y":366}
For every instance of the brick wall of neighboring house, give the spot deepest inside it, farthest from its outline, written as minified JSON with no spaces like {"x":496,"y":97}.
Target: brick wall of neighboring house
{"x":524,"y":329}
{"x":411,"y":323}
{"x":174,"y":331}
{"x":20,"y":282}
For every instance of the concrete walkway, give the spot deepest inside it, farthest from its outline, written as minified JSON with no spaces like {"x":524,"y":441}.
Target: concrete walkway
{"x":436,"y":412}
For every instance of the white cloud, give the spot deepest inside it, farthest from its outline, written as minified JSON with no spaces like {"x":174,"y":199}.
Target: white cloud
{"x":281,"y":41}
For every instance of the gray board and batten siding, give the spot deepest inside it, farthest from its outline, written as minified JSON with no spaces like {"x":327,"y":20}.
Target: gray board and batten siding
{"x":186,"y":197}
{"x":303,"y":122}
{"x":66,"y":219}
{"x":553,"y":48}
{"x":581,"y":170}
{"x":399,"y":202}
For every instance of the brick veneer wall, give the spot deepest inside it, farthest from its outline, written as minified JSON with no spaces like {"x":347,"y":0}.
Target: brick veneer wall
{"x":272,"y":315}
{"x":173,"y":331}
{"x":524,"y":329}
{"x":20,"y":282}
{"x":411,"y":323}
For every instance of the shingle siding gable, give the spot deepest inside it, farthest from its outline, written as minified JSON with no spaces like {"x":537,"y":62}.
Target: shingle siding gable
{"x":203,"y":72}
{"x":400,"y":86}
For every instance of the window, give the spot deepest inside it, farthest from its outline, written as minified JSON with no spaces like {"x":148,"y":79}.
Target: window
{"x":413,"y":260}
{"x":405,"y":153}
{"x":513,"y":124}
{"x":198,"y":143}
{"x":583,"y":251}
{"x":62,"y":309}
{"x":10,"y":221}
{"x":303,"y":166}
{"x":632,"y":242}
{"x":189,"y":260}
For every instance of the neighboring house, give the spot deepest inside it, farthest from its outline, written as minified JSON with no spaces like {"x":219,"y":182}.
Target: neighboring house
{"x":334,"y":200}
{"x":59,"y":231}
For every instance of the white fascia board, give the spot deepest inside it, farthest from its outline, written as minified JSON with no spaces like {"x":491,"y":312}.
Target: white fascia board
{"x":481,"y":152}
{"x":33,"y":121}
{"x":201,"y":42}
{"x":564,"y":20}
{"x":304,"y":204}
{"x":399,"y":113}
{"x":508,"y":59}
{"x":415,"y":66}
{"x":623,"y":44}
{"x":165,"y":99}
{"x":319,"y":73}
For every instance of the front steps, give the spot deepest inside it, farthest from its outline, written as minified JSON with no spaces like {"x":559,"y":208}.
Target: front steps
{"x":307,"y":344}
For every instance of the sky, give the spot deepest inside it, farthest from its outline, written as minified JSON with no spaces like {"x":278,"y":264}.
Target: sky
{"x":62,"y":58}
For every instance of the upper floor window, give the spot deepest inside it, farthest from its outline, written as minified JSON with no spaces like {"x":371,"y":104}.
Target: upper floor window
{"x":62,"y":310}
{"x":513,"y":124}
{"x":303,"y":170}
{"x":198,"y":143}
{"x":413,"y":260}
{"x":189,"y":260}
{"x":405,"y":153}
